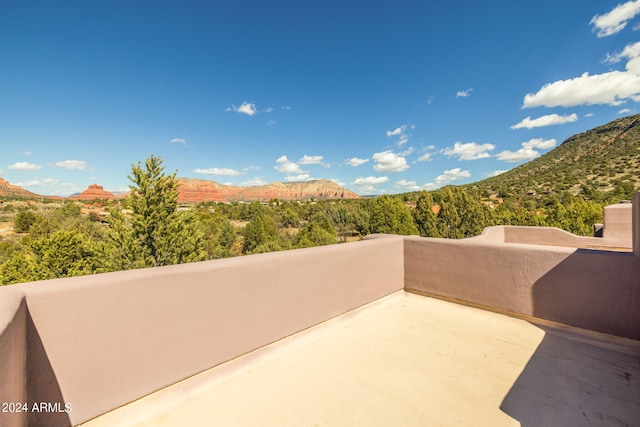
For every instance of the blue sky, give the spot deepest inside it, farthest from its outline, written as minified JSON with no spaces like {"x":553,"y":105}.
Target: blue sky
{"x":382,"y":97}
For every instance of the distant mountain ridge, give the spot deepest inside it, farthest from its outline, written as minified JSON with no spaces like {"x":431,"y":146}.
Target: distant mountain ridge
{"x":200,"y":190}
{"x":598,"y":158}
{"x":10,"y":190}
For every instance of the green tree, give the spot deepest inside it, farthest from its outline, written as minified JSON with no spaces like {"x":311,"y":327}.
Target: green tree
{"x":390,"y":215}
{"x":260,"y":231}
{"x":219,"y":234}
{"x":318,"y":232}
{"x":23,"y":221}
{"x":424,"y":216}
{"x":64,"y":253}
{"x":289,"y":217}
{"x":18,"y":269}
{"x":156,"y":233}
{"x":462,"y":214}
{"x":347,"y":218}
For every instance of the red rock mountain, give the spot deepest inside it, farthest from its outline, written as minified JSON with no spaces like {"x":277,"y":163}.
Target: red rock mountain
{"x":10,"y":190}
{"x":94,"y":191}
{"x":200,"y":190}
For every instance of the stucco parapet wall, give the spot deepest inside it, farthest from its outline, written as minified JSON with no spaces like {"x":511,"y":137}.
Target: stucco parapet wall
{"x":590,"y":289}
{"x":98,"y":342}
{"x":550,"y":236}
{"x":13,"y":354}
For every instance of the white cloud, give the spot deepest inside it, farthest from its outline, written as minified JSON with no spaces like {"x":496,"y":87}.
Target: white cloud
{"x":371,"y":180}
{"x":452,"y":175}
{"x":370,"y":183}
{"x":539,"y":143}
{"x":180,"y":141}
{"x":625,"y":111}
{"x":300,"y":177}
{"x":518,"y":156}
{"x":426,"y":157}
{"x":71,"y":164}
{"x":355,"y":161}
{"x":548,"y":120}
{"x":396,"y":131}
{"x":30,"y":183}
{"x":616,"y":20}
{"x":401,"y":133}
{"x":408,"y":185}
{"x":611,"y":88}
{"x":496,"y":173}
{"x":24,"y":166}
{"x":310,"y":160}
{"x":286,"y":166}
{"x":629,"y":51}
{"x":528,"y":150}
{"x":50,"y":186}
{"x":469,"y":151}
{"x":26,"y":153}
{"x":387,"y":161}
{"x":258,"y":180}
{"x":217,"y":171}
{"x":447,"y":177}
{"x":271,"y":122}
{"x":247,"y":108}
{"x":406,"y":152}
{"x":464,"y":93}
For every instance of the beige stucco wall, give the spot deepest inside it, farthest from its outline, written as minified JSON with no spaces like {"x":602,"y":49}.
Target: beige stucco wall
{"x":635,"y":224}
{"x":617,"y":232}
{"x":13,"y":355}
{"x":100,"y":341}
{"x":592,"y":289}
{"x":618,"y":224}
{"x":557,"y":237}
{"x":97,"y":342}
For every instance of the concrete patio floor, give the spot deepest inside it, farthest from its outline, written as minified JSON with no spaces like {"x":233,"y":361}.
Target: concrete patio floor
{"x":410,"y":360}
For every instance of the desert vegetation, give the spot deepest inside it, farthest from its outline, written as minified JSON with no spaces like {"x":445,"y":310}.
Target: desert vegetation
{"x":149,"y":228}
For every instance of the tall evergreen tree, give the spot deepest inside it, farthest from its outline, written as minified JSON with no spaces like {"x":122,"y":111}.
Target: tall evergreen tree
{"x":157,"y":234}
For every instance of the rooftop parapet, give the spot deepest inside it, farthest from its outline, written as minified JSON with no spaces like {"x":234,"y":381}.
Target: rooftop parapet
{"x":98,"y":342}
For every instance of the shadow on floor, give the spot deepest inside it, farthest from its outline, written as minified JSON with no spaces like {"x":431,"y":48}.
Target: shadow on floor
{"x":574,"y":380}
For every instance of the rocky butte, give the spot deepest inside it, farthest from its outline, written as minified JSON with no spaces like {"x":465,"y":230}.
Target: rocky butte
{"x":200,"y":190}
{"x":94,"y":191}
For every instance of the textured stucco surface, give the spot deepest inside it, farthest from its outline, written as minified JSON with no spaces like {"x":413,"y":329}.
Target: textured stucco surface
{"x":98,"y":342}
{"x":413,"y":361}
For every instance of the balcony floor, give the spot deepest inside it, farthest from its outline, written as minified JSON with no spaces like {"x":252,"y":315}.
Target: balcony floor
{"x":413,"y":361}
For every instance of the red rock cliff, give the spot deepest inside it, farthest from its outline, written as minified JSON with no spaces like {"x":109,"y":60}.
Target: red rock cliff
{"x":199,"y":190}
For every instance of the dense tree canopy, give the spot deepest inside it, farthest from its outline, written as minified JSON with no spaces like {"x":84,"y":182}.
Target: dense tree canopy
{"x":390,"y":215}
